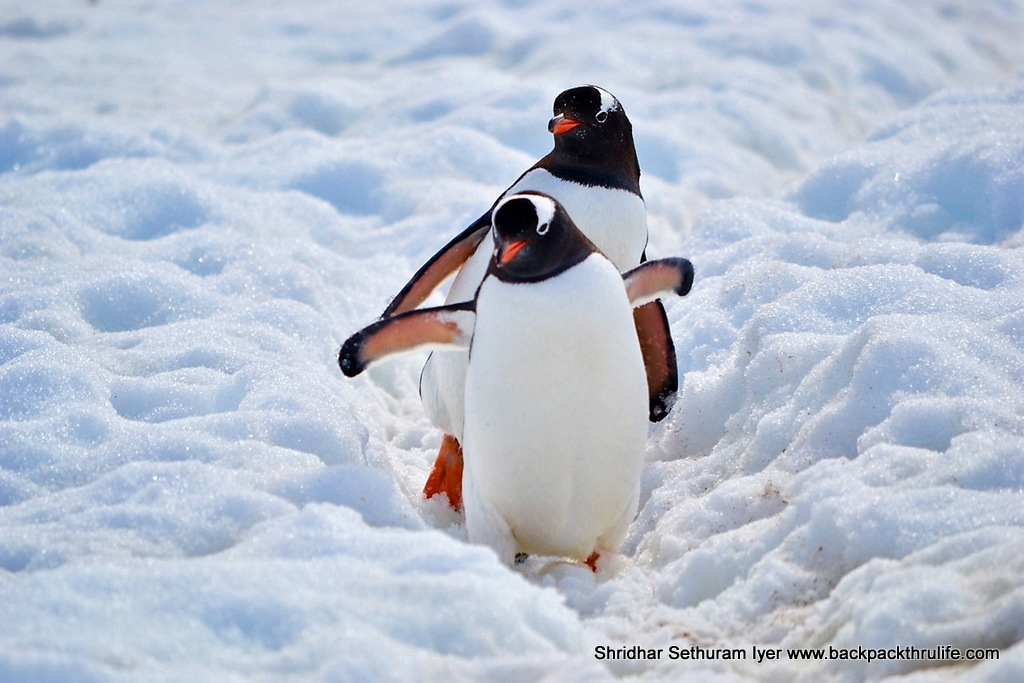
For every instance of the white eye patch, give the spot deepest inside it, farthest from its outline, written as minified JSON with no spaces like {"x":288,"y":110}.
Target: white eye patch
{"x":608,"y":103}
{"x":543,"y":206}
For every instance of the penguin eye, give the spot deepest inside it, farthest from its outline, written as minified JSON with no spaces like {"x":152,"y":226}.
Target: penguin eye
{"x":602,"y":116}
{"x":542,"y":228}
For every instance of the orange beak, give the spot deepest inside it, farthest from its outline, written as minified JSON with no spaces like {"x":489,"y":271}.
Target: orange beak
{"x":509,"y":251}
{"x":560,"y":124}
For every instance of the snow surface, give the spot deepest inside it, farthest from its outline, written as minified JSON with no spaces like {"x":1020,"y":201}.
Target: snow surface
{"x":200,"y":200}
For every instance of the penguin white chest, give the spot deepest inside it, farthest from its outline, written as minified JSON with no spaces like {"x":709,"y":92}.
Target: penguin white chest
{"x":556,"y":414}
{"x":614,"y":220}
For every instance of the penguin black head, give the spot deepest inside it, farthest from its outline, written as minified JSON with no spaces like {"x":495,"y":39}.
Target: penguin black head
{"x":535,"y":238}
{"x":593,"y":134}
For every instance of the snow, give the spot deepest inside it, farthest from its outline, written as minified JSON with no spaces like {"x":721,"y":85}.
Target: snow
{"x":200,"y":201}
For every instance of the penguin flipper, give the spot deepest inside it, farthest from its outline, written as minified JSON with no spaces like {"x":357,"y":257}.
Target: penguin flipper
{"x":439,"y":267}
{"x":659,"y":354}
{"x":440,"y":327}
{"x":643,"y":283}
{"x":652,"y":279}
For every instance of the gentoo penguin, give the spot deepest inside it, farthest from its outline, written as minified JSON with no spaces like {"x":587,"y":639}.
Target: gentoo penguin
{"x":555,"y":393}
{"x":594,"y":173}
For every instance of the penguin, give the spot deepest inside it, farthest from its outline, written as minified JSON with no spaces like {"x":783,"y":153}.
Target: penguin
{"x":556,"y":400}
{"x":594,"y":173}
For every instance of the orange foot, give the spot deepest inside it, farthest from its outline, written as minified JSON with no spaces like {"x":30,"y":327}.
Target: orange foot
{"x":592,"y":561}
{"x":446,"y":477}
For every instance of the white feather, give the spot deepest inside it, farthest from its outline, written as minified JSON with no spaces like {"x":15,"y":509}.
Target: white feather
{"x":614,"y":220}
{"x":555,"y":415}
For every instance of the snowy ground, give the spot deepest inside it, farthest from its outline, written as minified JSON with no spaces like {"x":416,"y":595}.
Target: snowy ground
{"x":200,"y":200}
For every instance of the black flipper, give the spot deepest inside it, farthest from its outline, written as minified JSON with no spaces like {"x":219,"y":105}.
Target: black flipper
{"x":659,"y":354}
{"x":439,"y":327}
{"x":643,"y":282}
{"x":439,"y":267}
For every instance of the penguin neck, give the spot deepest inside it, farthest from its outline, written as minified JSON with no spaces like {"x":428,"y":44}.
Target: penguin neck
{"x":557,"y":264}
{"x":619,"y":169}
